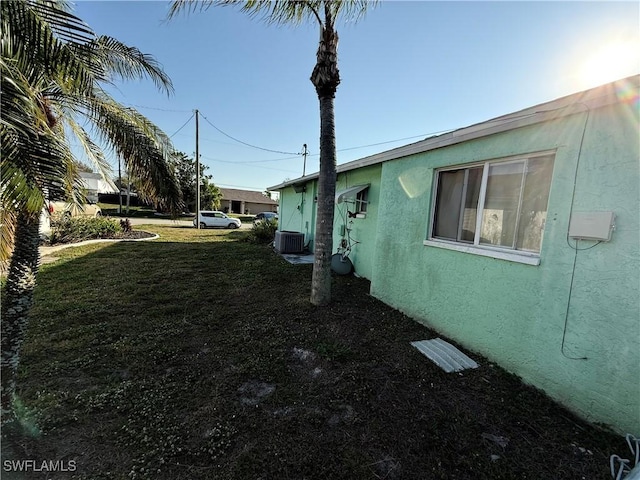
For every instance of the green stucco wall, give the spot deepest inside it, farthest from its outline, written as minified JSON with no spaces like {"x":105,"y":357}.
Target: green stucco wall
{"x":515,"y":314}
{"x":298,"y":214}
{"x":297,"y":211}
{"x":363,"y":230}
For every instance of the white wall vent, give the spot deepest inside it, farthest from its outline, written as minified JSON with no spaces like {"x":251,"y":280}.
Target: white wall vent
{"x":289,"y":242}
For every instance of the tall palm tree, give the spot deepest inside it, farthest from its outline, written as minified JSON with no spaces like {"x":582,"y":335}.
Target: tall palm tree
{"x":325,"y":78}
{"x":54,"y":69}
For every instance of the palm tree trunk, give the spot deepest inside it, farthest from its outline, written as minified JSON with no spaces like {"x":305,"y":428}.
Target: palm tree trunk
{"x":326,"y":78}
{"x":321,"y":278}
{"x":16,"y":302}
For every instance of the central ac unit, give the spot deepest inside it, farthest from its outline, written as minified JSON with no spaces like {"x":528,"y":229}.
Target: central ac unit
{"x":289,"y":242}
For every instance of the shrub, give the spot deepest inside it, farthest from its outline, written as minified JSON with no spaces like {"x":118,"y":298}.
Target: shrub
{"x":125,"y":225}
{"x":76,"y":229}
{"x":263,"y":231}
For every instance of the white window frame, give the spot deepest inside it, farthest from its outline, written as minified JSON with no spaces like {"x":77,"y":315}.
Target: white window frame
{"x":362,"y":200}
{"x":520,"y":256}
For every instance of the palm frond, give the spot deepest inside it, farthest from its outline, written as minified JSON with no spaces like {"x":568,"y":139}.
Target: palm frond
{"x":46,"y":35}
{"x":110,"y":60}
{"x":8,"y":220}
{"x":64,"y":24}
{"x":145,"y":149}
{"x":276,"y":11}
{"x":283,"y":12}
{"x":91,"y":149}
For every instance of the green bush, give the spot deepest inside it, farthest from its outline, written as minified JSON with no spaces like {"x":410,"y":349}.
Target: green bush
{"x":263,"y":231}
{"x":77,"y":229}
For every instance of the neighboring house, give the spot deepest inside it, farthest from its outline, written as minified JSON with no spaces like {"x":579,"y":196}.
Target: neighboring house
{"x":518,"y":237}
{"x":95,"y":184}
{"x":246,"y":201}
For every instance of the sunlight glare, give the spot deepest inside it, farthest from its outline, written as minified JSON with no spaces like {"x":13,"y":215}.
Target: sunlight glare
{"x":611,"y":62}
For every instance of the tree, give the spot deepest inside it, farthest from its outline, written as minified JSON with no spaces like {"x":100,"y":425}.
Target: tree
{"x":210,"y":195}
{"x":185,"y":169}
{"x":325,"y":78}
{"x":54,"y":70}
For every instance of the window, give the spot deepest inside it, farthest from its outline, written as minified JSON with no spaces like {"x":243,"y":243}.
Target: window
{"x":499,"y":204}
{"x":361,"y":201}
{"x":357,"y":196}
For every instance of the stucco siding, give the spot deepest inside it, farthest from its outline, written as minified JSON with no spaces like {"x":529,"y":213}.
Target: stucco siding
{"x":297,"y":211}
{"x":516,"y":314}
{"x":363,"y":230}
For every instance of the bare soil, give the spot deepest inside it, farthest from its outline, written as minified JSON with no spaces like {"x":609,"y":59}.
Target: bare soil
{"x":235,"y":376}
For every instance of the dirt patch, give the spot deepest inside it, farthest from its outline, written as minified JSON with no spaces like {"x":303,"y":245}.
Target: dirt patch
{"x":206,"y":361}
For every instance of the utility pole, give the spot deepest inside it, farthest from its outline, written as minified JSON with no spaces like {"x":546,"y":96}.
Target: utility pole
{"x":119,"y":189}
{"x":304,"y":165}
{"x":197,"y":176}
{"x":128,"y":195}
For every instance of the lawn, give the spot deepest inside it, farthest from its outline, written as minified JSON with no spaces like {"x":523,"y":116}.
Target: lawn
{"x":198,"y":356}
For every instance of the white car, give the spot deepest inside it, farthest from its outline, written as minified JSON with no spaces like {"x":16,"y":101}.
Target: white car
{"x":64,"y":210}
{"x":209,"y":218}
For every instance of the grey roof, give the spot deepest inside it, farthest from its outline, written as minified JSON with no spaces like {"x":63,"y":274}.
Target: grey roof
{"x":571,"y":104}
{"x":250,"y":196}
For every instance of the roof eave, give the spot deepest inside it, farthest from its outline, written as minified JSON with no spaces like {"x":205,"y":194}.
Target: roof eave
{"x":569,"y":105}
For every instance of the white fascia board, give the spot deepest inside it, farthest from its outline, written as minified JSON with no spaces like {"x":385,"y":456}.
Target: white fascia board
{"x":562,"y":107}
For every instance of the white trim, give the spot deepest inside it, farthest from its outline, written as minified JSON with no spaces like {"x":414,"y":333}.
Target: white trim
{"x":573,"y":104}
{"x":516,"y":256}
{"x":482,"y":196}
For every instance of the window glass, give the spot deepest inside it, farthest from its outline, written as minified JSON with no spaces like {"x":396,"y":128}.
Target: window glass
{"x":448,"y":204}
{"x":500,"y":214}
{"x":514,"y":203}
{"x":534,"y":203}
{"x":361,"y":201}
{"x":470,"y":212}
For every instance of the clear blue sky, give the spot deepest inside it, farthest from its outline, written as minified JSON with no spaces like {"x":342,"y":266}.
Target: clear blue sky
{"x":408,"y":69}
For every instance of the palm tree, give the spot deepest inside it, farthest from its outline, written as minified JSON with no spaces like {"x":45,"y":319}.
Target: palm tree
{"x":54,"y":69}
{"x":325,"y":78}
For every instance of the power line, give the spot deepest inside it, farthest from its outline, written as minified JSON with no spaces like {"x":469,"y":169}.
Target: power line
{"x":260,"y":161}
{"x":241,"y":163}
{"x":297,"y":154}
{"x":160,"y":109}
{"x":238,"y":186}
{"x":183,"y":125}
{"x":245,"y":143}
{"x":393,"y":141}
{"x":202,"y":139}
